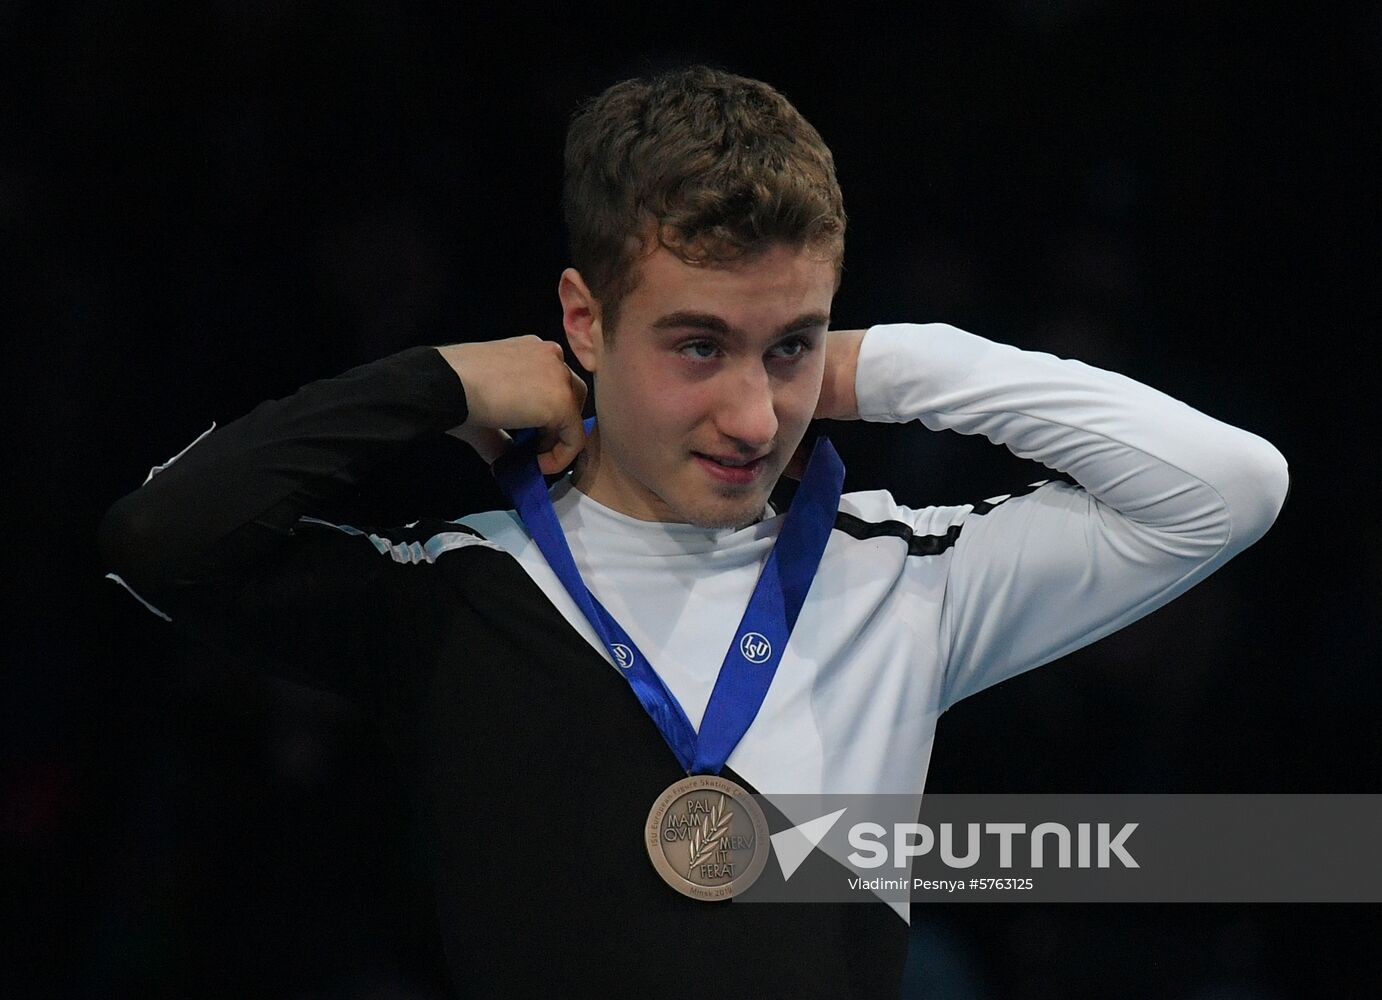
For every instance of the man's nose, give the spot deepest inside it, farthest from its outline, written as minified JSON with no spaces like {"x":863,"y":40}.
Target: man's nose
{"x":747,"y":412}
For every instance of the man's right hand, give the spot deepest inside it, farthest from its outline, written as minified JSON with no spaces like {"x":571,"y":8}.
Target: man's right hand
{"x":519,"y":382}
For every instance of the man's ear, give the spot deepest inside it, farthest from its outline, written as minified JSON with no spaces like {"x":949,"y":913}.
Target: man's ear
{"x":580,"y":316}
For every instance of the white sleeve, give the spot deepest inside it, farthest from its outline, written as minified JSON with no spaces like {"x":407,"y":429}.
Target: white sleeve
{"x":1167,"y":495}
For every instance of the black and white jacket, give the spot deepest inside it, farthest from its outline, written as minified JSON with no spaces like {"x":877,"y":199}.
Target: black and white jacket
{"x":531,"y":764}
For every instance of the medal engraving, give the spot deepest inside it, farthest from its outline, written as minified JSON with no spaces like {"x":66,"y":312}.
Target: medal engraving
{"x":707,"y":837}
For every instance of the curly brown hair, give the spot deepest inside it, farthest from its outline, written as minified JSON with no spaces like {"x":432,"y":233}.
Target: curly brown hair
{"x":717,"y":166}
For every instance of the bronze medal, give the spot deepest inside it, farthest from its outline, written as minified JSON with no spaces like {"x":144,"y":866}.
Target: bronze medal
{"x":707,"y":837}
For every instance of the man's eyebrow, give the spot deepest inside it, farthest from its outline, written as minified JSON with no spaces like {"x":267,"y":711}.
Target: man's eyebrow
{"x":684,"y":319}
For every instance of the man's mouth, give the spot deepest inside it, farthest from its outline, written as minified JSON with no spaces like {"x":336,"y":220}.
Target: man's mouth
{"x":732,"y":468}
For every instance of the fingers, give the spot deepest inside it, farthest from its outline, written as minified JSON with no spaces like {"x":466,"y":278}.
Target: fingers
{"x":520,"y":382}
{"x":554,"y":461}
{"x":569,"y":432}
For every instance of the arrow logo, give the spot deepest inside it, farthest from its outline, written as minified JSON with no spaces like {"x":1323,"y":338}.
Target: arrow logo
{"x":792,"y":846}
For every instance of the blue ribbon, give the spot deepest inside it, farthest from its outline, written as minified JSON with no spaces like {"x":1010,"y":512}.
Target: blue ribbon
{"x":752,"y":658}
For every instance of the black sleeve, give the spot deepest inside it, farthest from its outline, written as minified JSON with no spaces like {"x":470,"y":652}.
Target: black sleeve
{"x":221,"y":541}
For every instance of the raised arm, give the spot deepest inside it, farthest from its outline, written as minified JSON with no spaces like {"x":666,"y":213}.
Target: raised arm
{"x":1166,"y":494}
{"x":225,"y":539}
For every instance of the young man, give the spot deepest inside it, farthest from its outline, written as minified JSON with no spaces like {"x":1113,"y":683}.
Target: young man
{"x":535,"y":726}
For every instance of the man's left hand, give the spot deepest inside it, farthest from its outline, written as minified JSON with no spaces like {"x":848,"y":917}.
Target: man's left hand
{"x":838,"y":401}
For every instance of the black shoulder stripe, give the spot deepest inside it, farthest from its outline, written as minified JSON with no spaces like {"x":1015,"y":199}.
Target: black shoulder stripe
{"x":930,"y":545}
{"x":917,"y":545}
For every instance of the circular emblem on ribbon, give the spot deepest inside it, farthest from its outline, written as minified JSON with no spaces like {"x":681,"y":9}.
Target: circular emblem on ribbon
{"x":755,"y":647}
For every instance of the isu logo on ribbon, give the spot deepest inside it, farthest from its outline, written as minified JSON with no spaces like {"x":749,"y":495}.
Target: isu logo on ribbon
{"x":755,"y":647}
{"x":622,"y":655}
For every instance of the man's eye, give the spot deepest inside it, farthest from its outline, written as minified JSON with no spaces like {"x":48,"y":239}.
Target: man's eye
{"x":702,"y":349}
{"x":793,"y":348}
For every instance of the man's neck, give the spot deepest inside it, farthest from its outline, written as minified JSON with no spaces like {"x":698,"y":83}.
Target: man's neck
{"x":597,"y":479}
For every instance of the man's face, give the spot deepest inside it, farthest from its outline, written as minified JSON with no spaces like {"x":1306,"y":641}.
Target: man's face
{"x":709,"y":385}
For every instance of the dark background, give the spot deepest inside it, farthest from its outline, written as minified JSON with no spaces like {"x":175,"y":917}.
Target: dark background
{"x":204,"y":205}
